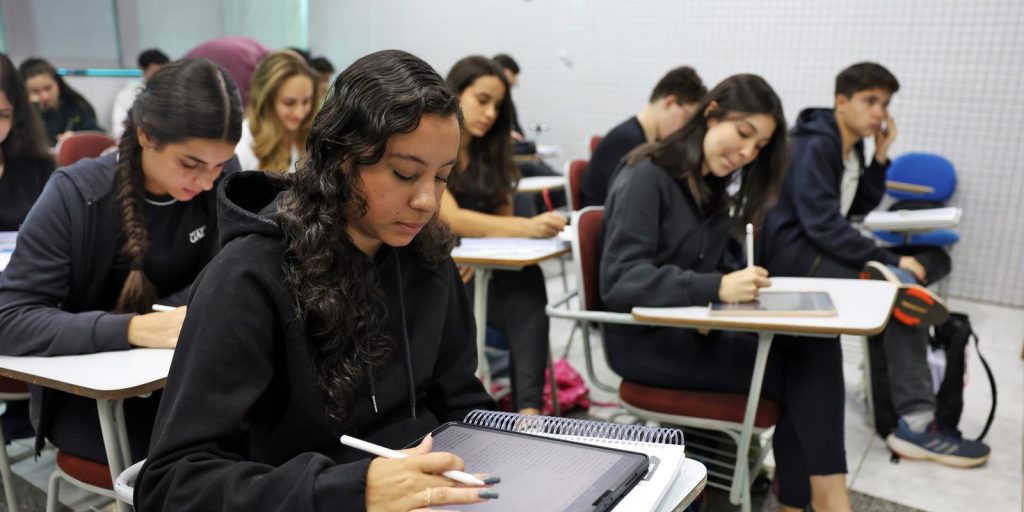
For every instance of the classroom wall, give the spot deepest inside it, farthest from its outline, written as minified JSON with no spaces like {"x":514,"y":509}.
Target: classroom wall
{"x":589,"y":64}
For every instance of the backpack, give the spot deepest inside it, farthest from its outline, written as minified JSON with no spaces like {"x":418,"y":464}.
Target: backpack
{"x":952,"y":338}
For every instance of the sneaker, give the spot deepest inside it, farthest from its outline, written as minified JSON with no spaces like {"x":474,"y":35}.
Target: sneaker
{"x":937,"y":444}
{"x":916,"y":305}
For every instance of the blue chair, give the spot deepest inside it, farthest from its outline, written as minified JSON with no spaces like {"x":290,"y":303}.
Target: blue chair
{"x":916,"y":181}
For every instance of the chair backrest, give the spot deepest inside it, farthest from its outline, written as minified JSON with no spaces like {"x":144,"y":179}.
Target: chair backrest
{"x":594,"y":141}
{"x":587,"y":225}
{"x":574,"y":171}
{"x":81,"y":145}
{"x":924,"y":169}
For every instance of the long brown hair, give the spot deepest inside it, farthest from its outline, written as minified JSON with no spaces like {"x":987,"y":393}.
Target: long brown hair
{"x":36,"y":66}
{"x":491,"y":172}
{"x":27,"y":138}
{"x":336,"y":289}
{"x":187,"y":99}
{"x":269,"y":142}
{"x":682,"y":153}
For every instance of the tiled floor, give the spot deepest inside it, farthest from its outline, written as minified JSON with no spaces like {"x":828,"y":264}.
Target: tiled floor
{"x":876,"y":483}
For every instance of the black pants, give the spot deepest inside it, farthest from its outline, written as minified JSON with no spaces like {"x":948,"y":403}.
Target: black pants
{"x":805,"y":375}
{"x":75,"y":426}
{"x":515,"y":306}
{"x":906,"y":347}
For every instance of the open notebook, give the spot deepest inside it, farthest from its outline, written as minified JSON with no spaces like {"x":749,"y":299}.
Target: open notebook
{"x":663,"y":446}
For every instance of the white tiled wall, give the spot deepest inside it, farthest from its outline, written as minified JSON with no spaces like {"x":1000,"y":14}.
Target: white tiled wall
{"x":588,"y":64}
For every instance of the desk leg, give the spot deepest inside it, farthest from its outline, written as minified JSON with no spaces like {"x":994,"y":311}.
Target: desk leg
{"x":741,"y":475}
{"x":109,"y":426}
{"x":480,"y":283}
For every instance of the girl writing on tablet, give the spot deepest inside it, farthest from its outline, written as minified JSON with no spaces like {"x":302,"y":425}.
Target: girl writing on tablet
{"x":111,"y":236}
{"x":334,"y":308}
{"x":668,"y":224}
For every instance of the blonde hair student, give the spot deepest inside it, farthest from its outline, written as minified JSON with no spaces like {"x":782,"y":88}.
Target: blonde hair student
{"x":279,"y":115}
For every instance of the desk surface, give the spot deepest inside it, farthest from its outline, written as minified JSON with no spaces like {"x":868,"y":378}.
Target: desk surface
{"x":508,"y":252}
{"x":914,"y":220}
{"x":863,"y":308}
{"x":539,"y":183}
{"x":692,"y":479}
{"x":104,"y":376}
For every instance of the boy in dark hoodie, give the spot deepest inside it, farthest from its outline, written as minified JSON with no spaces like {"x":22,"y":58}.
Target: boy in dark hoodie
{"x":808,"y":233}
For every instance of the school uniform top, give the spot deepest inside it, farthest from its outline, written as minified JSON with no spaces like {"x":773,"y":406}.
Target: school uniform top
{"x":267,"y":444}
{"x":806,"y":222}
{"x":68,"y":115}
{"x":248,"y":159}
{"x":660,"y":249}
{"x":607,"y":158}
{"x":22,"y":181}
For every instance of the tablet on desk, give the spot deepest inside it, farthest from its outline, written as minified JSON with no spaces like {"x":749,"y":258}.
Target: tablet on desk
{"x":541,"y":474}
{"x":792,"y":303}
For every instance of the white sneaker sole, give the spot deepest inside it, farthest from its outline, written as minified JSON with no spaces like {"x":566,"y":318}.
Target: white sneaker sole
{"x":910,"y":450}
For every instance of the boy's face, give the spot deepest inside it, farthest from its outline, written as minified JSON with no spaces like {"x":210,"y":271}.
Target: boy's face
{"x":864,"y":112}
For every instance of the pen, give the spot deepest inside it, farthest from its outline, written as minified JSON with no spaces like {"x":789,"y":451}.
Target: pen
{"x":161,"y":307}
{"x":381,"y":451}
{"x":750,"y":245}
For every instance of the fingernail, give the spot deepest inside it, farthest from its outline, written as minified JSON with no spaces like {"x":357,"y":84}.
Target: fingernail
{"x":488,"y":494}
{"x":492,"y":480}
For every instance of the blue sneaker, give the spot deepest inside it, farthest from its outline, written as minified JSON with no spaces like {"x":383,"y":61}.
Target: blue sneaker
{"x":937,"y":444}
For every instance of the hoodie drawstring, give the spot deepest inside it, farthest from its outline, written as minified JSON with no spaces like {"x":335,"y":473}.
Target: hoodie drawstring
{"x":406,"y":348}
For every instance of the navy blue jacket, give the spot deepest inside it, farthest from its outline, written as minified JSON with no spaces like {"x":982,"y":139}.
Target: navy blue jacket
{"x":806,"y":222}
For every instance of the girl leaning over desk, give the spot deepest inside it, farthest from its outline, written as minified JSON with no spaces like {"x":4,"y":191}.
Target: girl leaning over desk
{"x":479,"y":204}
{"x":111,"y":236}
{"x":667,"y":227}
{"x":335,"y":308}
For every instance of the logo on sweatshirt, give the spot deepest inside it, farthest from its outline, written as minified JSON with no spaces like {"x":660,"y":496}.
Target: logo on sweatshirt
{"x":197,"y":235}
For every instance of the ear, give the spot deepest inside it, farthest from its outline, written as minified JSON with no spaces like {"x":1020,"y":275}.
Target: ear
{"x":841,"y":99}
{"x":668,"y":101}
{"x":712,"y":106}
{"x":144,"y":140}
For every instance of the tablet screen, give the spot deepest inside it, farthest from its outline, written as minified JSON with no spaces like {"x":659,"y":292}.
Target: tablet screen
{"x":541,"y":474}
{"x":809,"y":303}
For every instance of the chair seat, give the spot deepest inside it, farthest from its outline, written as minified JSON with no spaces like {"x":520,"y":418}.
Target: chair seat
{"x":939,"y":237}
{"x":9,"y":385}
{"x":699,"y":404}
{"x":84,"y":470}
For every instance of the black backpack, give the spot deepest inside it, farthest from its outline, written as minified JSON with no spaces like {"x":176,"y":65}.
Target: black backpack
{"x":953,"y":337}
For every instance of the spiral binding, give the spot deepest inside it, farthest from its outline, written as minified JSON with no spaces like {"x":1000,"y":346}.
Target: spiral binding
{"x":514,"y":422}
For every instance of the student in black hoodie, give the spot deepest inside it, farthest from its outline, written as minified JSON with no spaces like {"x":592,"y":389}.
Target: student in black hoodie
{"x":111,"y":236}
{"x":25,"y":164}
{"x":334,"y":308}
{"x":809,"y":233}
{"x":667,"y":226}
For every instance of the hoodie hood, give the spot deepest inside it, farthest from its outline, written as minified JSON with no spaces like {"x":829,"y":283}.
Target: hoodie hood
{"x":817,"y":122}
{"x":247,"y":203}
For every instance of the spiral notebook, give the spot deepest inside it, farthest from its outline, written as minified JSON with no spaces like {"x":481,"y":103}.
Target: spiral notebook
{"x":662,"y":446}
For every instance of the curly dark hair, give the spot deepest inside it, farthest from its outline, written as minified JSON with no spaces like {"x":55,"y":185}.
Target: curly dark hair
{"x":336,"y":285}
{"x":682,"y":152}
{"x":491,"y":172}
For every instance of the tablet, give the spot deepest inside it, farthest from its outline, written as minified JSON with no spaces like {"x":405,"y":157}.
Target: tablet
{"x":792,"y":303}
{"x":541,"y":474}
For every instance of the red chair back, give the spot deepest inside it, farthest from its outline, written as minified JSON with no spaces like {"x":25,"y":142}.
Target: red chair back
{"x":594,"y":141}
{"x":577,"y":168}
{"x":587,"y":253}
{"x":82,"y":145}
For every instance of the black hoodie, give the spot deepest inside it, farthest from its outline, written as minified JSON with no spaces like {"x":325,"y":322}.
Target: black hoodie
{"x":806,"y":222}
{"x":242,"y":422}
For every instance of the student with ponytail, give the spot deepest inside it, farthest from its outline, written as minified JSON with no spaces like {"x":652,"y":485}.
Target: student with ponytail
{"x":111,"y":236}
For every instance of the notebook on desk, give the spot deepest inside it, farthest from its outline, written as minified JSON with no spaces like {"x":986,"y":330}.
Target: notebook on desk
{"x":508,"y":247}
{"x":540,"y":475}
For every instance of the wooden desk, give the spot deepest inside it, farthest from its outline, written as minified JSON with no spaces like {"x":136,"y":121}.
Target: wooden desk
{"x":863,"y":308}
{"x":488,"y":254}
{"x":539,"y":183}
{"x":108,"y":378}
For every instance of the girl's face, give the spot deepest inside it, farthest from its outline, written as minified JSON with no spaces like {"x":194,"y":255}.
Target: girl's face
{"x":185,"y":169}
{"x":481,"y":102}
{"x":403,"y":190}
{"x":43,"y":89}
{"x":734,"y":141}
{"x":6,"y":116}
{"x":294,"y":101}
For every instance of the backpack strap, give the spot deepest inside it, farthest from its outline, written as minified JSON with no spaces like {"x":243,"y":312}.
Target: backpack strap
{"x":991,"y":383}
